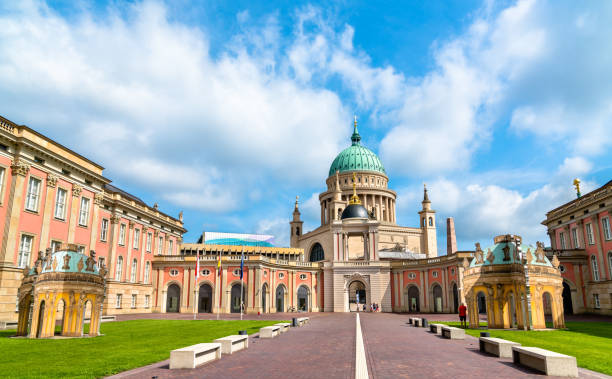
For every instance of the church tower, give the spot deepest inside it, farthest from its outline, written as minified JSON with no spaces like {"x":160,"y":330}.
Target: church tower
{"x":429,"y":243}
{"x":296,"y":225}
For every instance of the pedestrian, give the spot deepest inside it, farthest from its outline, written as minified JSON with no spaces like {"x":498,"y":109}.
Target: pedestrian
{"x":462,"y":315}
{"x":364,"y":307}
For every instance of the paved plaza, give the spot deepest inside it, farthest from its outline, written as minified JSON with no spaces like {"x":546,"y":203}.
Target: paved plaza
{"x":325,"y":348}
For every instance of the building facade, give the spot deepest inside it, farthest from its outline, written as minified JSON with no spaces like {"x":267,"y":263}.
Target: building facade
{"x":50,"y":195}
{"x":580,"y":234}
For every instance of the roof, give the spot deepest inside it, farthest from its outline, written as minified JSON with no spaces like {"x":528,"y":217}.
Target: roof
{"x":356,"y":158}
{"x":355,"y":211}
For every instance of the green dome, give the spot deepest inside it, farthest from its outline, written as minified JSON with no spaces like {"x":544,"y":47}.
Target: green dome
{"x":356,"y":158}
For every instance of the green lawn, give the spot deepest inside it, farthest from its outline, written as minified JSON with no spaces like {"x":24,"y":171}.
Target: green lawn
{"x":125,"y":345}
{"x":589,"y":342}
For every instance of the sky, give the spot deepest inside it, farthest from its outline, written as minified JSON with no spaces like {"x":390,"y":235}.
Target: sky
{"x":228,"y":110}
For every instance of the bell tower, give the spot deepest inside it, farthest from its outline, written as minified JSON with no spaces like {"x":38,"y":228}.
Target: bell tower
{"x":296,"y":225}
{"x":429,"y":244}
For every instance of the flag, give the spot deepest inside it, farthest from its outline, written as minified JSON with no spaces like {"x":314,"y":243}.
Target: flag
{"x":197,"y":275}
{"x":241,"y":265}
{"x":219,"y":265}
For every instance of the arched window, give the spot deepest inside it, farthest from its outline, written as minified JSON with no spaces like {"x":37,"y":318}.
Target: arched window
{"x":431,"y":221}
{"x":317,"y":253}
{"x":595,"y":268}
{"x":119,"y":270}
{"x":134,"y":269}
{"x":297,"y":231}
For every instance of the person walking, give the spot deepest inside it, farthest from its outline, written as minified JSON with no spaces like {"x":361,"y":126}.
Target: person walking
{"x":462,"y":315}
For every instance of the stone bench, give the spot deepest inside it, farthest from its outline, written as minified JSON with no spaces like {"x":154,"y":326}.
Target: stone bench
{"x":233,"y":343}
{"x":497,"y":346}
{"x":303,"y":320}
{"x":546,"y":361}
{"x":416,"y":322}
{"x":284,"y":326}
{"x":195,"y":355}
{"x":269,"y":331}
{"x":453,"y":333}
{"x":436,"y":328}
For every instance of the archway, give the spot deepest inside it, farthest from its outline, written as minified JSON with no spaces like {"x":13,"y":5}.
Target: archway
{"x":173,"y":299}
{"x":568,"y":306}
{"x":357,"y":294}
{"x":317,"y":253}
{"x":302,"y":297}
{"x":437,"y":298}
{"x":41,"y":319}
{"x":60,"y":317}
{"x":512,"y":310}
{"x":455,"y":298}
{"x":413,"y":299}
{"x":87,"y":314}
{"x":264,"y":298}
{"x":235,"y":298}
{"x":205,"y":298}
{"x":547,"y":306}
{"x":482,"y":303}
{"x":280,"y":298}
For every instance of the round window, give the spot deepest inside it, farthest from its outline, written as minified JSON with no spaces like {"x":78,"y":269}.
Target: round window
{"x":562,"y":268}
{"x":205,"y":272}
{"x":237,"y":272}
{"x":411,"y":275}
{"x":302,"y":276}
{"x":281,"y":275}
{"x":174,"y":272}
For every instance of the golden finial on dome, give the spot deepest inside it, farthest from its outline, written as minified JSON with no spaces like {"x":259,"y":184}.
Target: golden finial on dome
{"x":577,"y":185}
{"x":354,"y":198}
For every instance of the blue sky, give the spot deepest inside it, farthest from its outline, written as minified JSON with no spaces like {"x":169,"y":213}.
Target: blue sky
{"x":228,"y":110}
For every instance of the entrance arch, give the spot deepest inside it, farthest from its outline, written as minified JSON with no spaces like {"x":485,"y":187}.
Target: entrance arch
{"x":303,"y":298}
{"x":413,"y":299}
{"x":568,"y":306}
{"x":235,"y":297}
{"x":173,"y":300}
{"x":41,"y":318}
{"x":357,"y":294}
{"x":280,"y":298}
{"x":205,"y":298}
{"x":482,"y":303}
{"x":264,"y":298}
{"x":87,"y":313}
{"x":60,"y":316}
{"x":437,"y":298}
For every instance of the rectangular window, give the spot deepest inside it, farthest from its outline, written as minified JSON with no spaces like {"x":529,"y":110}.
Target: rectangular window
{"x":133,"y":301}
{"x":562,"y":240}
{"x":596,"y":300}
{"x":575,"y":238}
{"x":104,"y":230}
{"x":589,"y":230}
{"x":55,"y":246}
{"x":136,"y":238}
{"x":134,"y":270}
{"x":2,"y":171}
{"x":118,"y":301}
{"x":33,"y":194}
{"x":81,"y":249}
{"x":25,"y":248}
{"x":605,"y":223}
{"x":60,"y":204}
{"x":149,"y":239}
{"x":100,"y":262}
{"x":146,"y":273}
{"x":122,"y":234}
{"x":146,"y":301}
{"x":84,"y":212}
{"x":170,"y":247}
{"x":119,"y":270}
{"x":160,"y":245}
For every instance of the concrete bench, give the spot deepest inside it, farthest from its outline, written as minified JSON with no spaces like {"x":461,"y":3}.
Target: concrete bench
{"x":284,"y":326}
{"x":453,"y":333}
{"x":303,"y":320}
{"x":497,"y":346}
{"x":546,"y":361}
{"x":233,"y":343}
{"x":436,"y":328}
{"x":195,"y":355}
{"x":269,"y":331}
{"x":416,"y":322}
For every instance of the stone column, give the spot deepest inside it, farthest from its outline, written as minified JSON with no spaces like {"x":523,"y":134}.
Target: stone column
{"x":422,"y":292}
{"x":272,"y":290}
{"x":74,"y":211}
{"x":426,"y":292}
{"x":553,"y":238}
{"x":19,"y":171}
{"x":401,"y":291}
{"x":112,"y":243}
{"x":48,"y":211}
{"x":258,"y":290}
{"x":445,"y":302}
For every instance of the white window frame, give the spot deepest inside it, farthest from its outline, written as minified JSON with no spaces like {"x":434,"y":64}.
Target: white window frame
{"x":118,"y":301}
{"x":2,"y":176}
{"x":122,"y":229}
{"x":595,"y":268}
{"x":160,"y":245}
{"x":149,"y":240}
{"x":589,"y":230}
{"x":605,"y":225}
{"x":136,"y":241}
{"x":55,"y":246}
{"x":100,"y":262}
{"x":134,"y":299}
{"x":575,"y":238}
{"x":119,"y":270}
{"x":134,"y":270}
{"x":33,"y":196}
{"x":26,"y":243}
{"x":596,"y":302}
{"x":81,"y":249}
{"x":60,"y":203}
{"x":147,"y":272}
{"x":84,"y":211}
{"x":170,"y":246}
{"x":562,"y":240}
{"x":104,"y":229}
{"x":610,"y":263}
{"x":146,"y":301}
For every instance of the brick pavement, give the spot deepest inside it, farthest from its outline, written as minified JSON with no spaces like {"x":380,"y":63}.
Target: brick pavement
{"x":395,"y":349}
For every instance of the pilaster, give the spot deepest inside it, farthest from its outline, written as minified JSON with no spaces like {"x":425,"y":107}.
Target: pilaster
{"x":74,"y":211}
{"x":19,"y":171}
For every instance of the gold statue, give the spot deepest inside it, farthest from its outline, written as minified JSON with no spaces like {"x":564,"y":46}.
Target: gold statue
{"x":577,"y":185}
{"x":355,"y":198}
